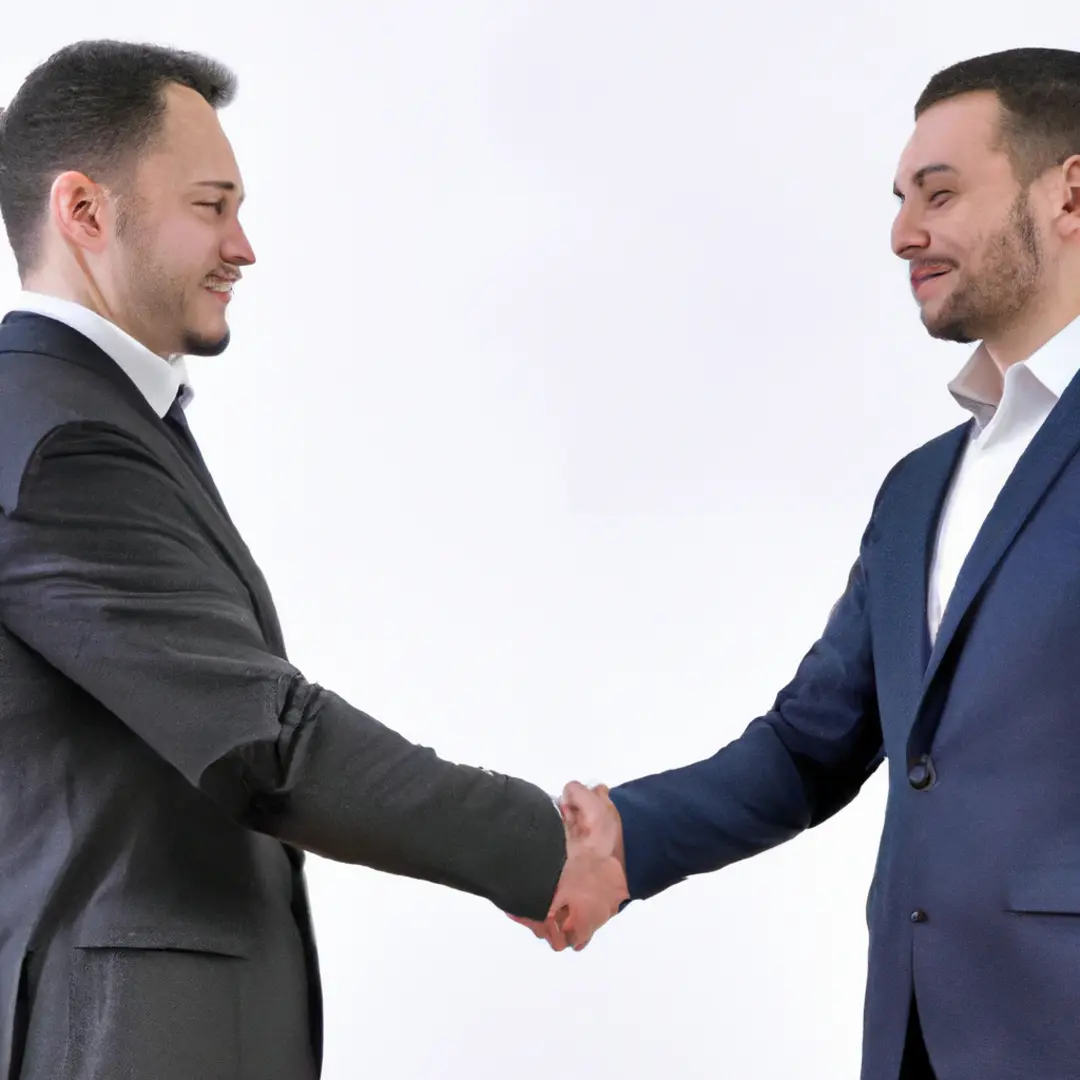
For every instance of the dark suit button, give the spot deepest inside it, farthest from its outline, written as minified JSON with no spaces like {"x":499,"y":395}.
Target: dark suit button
{"x":921,"y":774}
{"x":918,"y":915}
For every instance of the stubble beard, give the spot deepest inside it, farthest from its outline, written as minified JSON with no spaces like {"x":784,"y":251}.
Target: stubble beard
{"x":158,"y":299}
{"x":1005,"y":285}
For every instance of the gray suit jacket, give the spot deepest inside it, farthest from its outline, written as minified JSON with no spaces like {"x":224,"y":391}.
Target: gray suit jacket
{"x":163,"y":767}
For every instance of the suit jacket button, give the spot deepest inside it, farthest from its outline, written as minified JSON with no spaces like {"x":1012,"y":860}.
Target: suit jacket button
{"x":918,"y":915}
{"x":921,"y":774}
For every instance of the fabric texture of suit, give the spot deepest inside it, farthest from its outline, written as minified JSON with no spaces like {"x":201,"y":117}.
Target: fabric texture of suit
{"x":163,"y":767}
{"x":975,"y":900}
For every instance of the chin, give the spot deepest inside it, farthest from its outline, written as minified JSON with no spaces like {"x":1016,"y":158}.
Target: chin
{"x":206,"y":344}
{"x":943,"y":321}
{"x":954,"y":330}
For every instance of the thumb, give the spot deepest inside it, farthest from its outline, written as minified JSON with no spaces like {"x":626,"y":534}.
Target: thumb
{"x":575,"y":793}
{"x":583,"y":807}
{"x":575,"y":798}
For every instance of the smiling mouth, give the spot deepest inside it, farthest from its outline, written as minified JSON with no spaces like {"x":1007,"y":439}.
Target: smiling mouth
{"x":919,"y":280}
{"x":222,"y":290}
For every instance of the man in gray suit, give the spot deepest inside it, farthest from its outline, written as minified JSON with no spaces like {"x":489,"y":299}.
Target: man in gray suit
{"x":163,"y":766}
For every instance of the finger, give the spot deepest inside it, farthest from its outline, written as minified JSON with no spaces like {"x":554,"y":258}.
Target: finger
{"x":576,"y":800}
{"x":588,"y":807}
{"x":575,"y":930}
{"x":575,"y":823}
{"x":568,"y":935}
{"x":576,"y":793}
{"x":553,"y":930}
{"x":577,"y":938}
{"x":574,"y":818}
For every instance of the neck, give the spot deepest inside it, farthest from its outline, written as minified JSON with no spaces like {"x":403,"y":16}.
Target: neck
{"x":1046,"y":317}
{"x":71,"y":285}
{"x":50,"y":283}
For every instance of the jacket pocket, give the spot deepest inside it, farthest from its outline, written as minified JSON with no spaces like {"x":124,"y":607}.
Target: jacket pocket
{"x":106,"y":931}
{"x":155,"y":1002}
{"x":1050,"y":891}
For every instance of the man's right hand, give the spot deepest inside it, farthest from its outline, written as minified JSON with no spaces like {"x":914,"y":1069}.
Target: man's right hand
{"x":593,"y":883}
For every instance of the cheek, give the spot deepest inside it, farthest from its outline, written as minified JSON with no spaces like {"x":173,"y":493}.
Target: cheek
{"x":958,"y":226}
{"x":962,"y":250}
{"x":187,"y":249}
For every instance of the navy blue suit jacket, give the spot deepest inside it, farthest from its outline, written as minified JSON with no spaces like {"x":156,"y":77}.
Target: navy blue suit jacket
{"x":975,"y":899}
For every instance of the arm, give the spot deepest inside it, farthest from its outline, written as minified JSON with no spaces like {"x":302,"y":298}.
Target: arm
{"x":108,"y":575}
{"x":790,"y":770}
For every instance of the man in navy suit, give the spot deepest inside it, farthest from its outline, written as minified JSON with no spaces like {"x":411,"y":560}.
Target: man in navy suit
{"x":954,"y":653}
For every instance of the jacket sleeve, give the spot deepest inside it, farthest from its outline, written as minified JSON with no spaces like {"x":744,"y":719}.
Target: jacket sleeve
{"x":109,"y":575}
{"x":791,"y":769}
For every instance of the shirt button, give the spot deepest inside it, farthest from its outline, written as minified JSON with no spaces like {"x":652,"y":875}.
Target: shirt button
{"x":918,"y":915}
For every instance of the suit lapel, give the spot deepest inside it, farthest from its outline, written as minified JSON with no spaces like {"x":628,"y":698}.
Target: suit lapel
{"x":230,"y":543}
{"x":1055,"y":443}
{"x":914,"y":508}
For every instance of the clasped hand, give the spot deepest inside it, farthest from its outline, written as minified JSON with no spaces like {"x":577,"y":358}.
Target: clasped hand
{"x":593,"y":882}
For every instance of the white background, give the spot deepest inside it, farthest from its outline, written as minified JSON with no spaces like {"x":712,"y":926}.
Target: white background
{"x":557,"y":402}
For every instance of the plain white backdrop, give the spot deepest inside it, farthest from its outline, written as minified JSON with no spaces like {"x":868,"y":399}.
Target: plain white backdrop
{"x":558,"y":398}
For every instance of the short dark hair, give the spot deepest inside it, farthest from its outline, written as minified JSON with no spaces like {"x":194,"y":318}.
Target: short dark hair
{"x":94,"y":107}
{"x":1039,"y":93}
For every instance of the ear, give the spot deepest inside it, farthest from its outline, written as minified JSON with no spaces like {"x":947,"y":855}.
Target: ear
{"x":1068,"y":222}
{"x":80,"y":209}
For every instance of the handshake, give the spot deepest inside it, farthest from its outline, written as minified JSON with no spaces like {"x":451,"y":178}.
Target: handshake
{"x":593,"y":882}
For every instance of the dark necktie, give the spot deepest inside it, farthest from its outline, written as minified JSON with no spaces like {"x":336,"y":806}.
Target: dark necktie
{"x":176,"y":419}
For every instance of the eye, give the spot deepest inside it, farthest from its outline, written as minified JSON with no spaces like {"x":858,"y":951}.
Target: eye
{"x":939,"y":197}
{"x":219,"y":206}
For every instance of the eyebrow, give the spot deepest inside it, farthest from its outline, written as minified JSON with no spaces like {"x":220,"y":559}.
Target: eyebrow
{"x":219,"y":185}
{"x":921,"y":174}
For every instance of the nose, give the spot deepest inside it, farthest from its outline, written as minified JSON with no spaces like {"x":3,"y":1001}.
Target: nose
{"x":909,"y":236}
{"x":237,"y":248}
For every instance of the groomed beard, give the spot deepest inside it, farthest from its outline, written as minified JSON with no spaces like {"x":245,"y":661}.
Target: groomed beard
{"x":157,"y":298}
{"x":200,"y":346}
{"x":1002,"y":287}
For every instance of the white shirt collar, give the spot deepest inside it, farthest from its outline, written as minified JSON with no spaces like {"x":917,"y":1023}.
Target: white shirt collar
{"x":979,"y":385}
{"x":160,"y":381}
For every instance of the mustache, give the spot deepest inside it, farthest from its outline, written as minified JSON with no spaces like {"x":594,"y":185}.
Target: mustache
{"x":918,"y":266}
{"x":229,"y":275}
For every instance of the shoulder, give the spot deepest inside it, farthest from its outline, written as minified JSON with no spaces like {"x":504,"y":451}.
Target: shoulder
{"x":44,"y":399}
{"x":925,"y":461}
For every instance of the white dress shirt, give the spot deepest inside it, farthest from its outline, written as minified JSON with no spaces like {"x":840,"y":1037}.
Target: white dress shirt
{"x":1008,"y":412}
{"x":157,"y":379}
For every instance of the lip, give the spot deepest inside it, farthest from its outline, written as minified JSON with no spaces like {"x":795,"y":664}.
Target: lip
{"x":222,"y":298}
{"x":923,"y":280}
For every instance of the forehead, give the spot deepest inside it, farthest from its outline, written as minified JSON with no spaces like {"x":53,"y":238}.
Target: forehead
{"x":962,"y":132}
{"x":193,"y":145}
